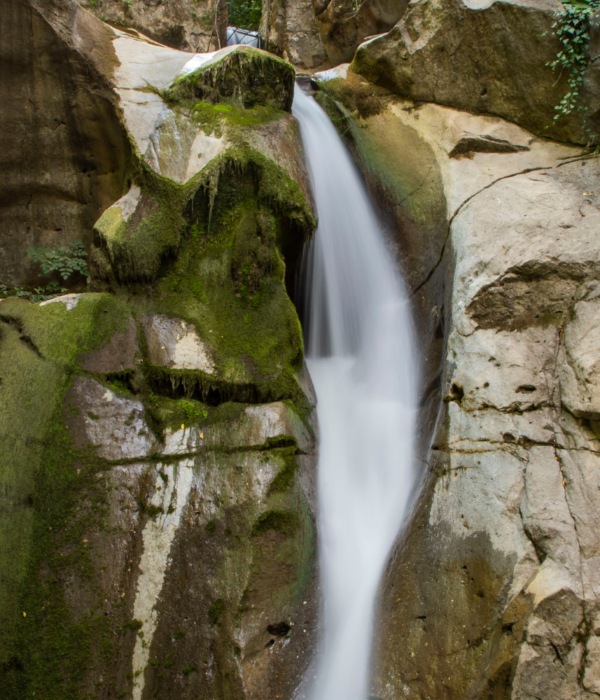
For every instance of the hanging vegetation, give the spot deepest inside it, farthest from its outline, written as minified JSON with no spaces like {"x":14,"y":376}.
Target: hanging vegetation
{"x":572,"y":28}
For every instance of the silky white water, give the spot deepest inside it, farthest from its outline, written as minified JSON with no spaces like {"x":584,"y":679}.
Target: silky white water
{"x":361,"y":355}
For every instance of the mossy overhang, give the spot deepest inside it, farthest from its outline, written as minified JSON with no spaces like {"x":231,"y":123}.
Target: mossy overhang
{"x":244,"y":77}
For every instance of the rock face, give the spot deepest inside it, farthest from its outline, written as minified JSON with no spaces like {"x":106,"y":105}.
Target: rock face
{"x":181,"y":24}
{"x":289,"y":29}
{"x":63,"y":151}
{"x":492,"y":591}
{"x":157,"y":464}
{"x":343,"y":26}
{"x":485,"y":58}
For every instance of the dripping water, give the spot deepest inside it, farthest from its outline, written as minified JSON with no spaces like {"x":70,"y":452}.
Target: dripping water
{"x":361,"y":355}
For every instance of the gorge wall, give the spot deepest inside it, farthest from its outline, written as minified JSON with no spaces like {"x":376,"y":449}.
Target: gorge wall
{"x":157,"y":504}
{"x":493,"y":590}
{"x":157,"y":509}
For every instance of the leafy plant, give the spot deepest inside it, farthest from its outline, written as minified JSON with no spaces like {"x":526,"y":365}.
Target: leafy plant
{"x":244,"y":14}
{"x":191,"y":410}
{"x":572,"y":28}
{"x":66,"y":260}
{"x":39,"y":293}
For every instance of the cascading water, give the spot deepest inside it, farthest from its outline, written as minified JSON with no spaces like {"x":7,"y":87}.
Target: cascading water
{"x":363,"y":364}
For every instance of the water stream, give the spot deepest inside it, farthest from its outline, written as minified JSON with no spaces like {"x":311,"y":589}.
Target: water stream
{"x":361,"y":355}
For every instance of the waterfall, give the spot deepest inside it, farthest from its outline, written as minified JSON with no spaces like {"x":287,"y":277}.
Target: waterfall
{"x":361,"y":355}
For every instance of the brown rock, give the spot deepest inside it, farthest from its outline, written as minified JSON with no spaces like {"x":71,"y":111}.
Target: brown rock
{"x":483,"y":58}
{"x":62,"y":149}
{"x":117,"y":355}
{"x":181,"y":24}
{"x":344,"y":25}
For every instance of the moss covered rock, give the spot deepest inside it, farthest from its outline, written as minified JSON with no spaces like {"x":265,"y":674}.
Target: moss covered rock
{"x":240,"y":75}
{"x":157,"y":461}
{"x":113,"y":492}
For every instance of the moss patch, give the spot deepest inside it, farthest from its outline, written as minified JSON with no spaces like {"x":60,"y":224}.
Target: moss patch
{"x":49,"y":501}
{"x":244,"y":77}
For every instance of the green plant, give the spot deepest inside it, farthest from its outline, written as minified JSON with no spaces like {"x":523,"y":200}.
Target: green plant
{"x":244,"y":14}
{"x":192,"y":410}
{"x":572,"y":28}
{"x":39,"y":293}
{"x":66,"y":261}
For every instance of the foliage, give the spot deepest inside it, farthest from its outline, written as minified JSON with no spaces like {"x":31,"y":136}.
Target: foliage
{"x":192,"y":410}
{"x":573,"y":30}
{"x":39,"y":293}
{"x":244,"y":14}
{"x":66,"y":261}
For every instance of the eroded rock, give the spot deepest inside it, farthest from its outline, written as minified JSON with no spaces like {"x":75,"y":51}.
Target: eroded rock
{"x":490,"y":58}
{"x":491,"y":592}
{"x":174,"y":343}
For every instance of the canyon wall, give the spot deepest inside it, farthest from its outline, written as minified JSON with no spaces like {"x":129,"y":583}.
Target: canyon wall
{"x":492,"y":591}
{"x":157,"y":507}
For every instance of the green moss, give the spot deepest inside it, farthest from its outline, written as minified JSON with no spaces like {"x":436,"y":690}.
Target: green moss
{"x":246,"y":221}
{"x":134,"y":625}
{"x":210,"y":526}
{"x":284,"y":479}
{"x":148,"y":509}
{"x":283,"y":522}
{"x":244,"y":77}
{"x":224,"y":118}
{"x":216,"y":610}
{"x":48,"y":505}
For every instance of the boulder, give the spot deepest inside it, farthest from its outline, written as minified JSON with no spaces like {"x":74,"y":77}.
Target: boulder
{"x":484,"y":58}
{"x":343,"y":26}
{"x":239,"y":75}
{"x":289,"y":29}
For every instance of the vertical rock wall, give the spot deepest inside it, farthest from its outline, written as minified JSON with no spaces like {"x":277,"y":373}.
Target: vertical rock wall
{"x":63,"y":151}
{"x":289,"y":29}
{"x":492,"y":591}
{"x":157,"y":459}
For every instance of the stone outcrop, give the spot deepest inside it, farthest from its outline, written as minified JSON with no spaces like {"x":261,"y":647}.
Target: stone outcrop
{"x":158,"y":435}
{"x":343,"y":26}
{"x":186,"y":25}
{"x":492,"y":591}
{"x":63,"y":151}
{"x":239,"y":75}
{"x":484,"y":58}
{"x":289,"y":29}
